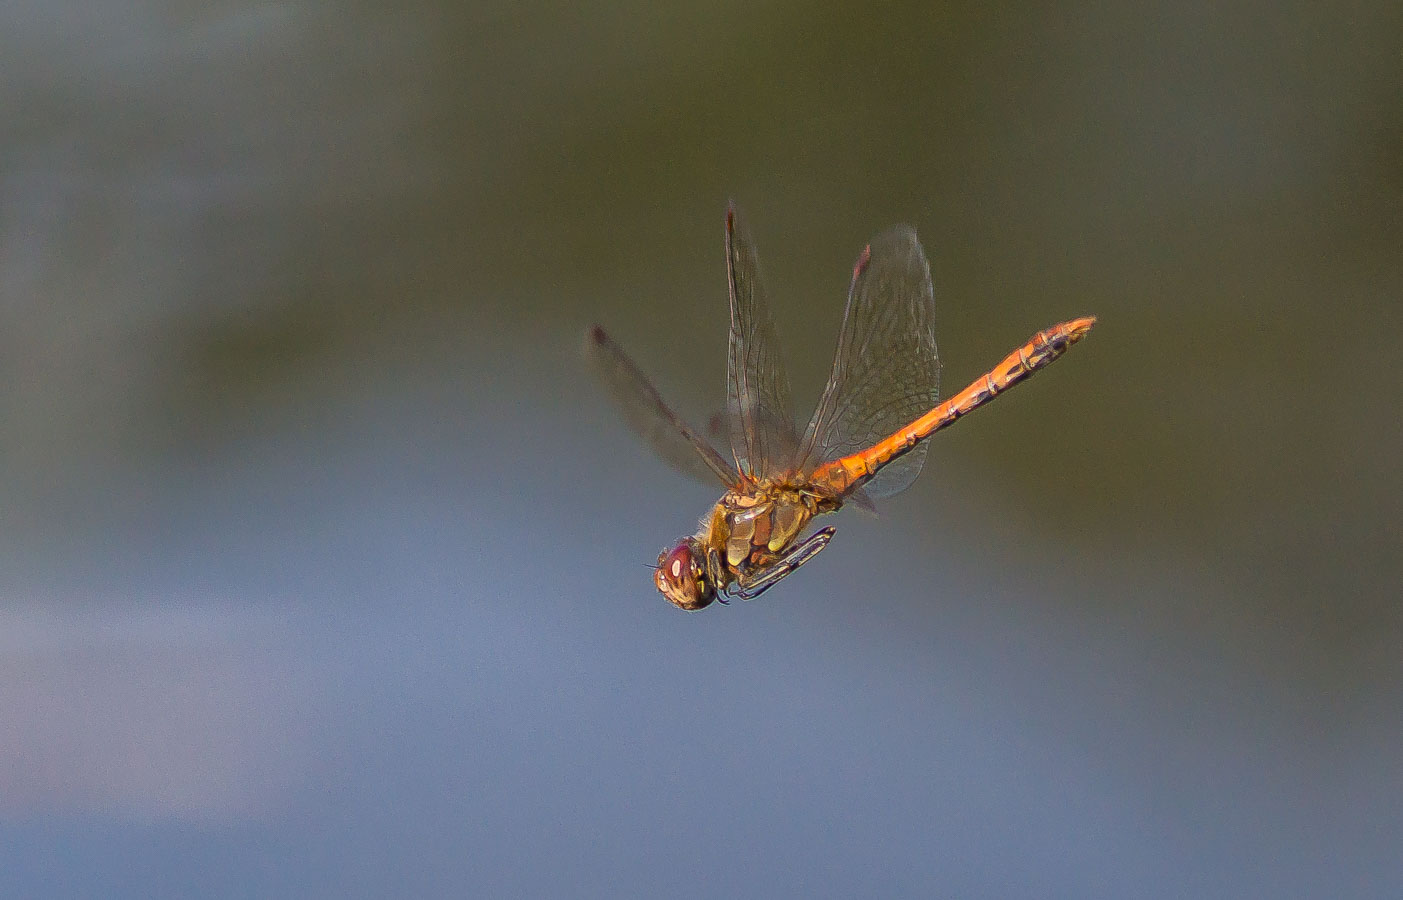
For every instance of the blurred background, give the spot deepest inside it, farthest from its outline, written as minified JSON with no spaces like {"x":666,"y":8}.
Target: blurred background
{"x":323,"y":562}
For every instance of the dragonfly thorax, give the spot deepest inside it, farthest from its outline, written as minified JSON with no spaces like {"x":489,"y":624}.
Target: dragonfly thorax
{"x":760,"y":526}
{"x":749,"y":531}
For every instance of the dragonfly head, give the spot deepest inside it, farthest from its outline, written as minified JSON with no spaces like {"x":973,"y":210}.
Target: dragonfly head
{"x":681,"y":576}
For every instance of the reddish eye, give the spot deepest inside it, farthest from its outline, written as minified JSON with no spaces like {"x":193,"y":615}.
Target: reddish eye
{"x":677,"y":565}
{"x":678,"y":579}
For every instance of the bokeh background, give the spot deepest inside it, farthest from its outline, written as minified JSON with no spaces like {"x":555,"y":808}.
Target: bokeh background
{"x":322,"y":562}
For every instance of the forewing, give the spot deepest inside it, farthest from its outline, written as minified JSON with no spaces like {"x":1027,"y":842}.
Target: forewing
{"x":646,"y":413}
{"x":761,"y":415}
{"x":886,"y":371}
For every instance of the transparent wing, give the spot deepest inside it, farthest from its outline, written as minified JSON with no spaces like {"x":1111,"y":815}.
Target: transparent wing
{"x":646,"y":413}
{"x":886,"y":371}
{"x":761,"y":415}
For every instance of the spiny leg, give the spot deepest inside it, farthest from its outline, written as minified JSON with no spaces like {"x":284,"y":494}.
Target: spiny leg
{"x":768,"y":577}
{"x":713,"y":571}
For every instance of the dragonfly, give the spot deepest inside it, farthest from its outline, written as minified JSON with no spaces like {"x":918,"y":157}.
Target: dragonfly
{"x":865,"y":441}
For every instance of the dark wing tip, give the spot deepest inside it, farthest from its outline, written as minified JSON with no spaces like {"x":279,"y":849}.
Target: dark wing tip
{"x":596,"y":347}
{"x":864,"y":259}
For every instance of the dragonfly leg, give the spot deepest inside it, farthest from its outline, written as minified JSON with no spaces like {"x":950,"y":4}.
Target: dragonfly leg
{"x":763,"y":580}
{"x":713,"y":571}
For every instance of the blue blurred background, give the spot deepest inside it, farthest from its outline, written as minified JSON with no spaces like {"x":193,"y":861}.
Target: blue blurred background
{"x":322,"y":562}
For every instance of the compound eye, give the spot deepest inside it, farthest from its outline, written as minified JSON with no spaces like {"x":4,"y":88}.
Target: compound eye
{"x":681,"y":579}
{"x":677,"y":565}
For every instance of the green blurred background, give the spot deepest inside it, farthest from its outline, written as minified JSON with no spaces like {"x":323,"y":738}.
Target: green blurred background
{"x":322,"y":560}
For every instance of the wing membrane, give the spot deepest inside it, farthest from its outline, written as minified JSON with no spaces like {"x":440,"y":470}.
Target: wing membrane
{"x":886,"y":371}
{"x":761,"y":415}
{"x":653,"y":420}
